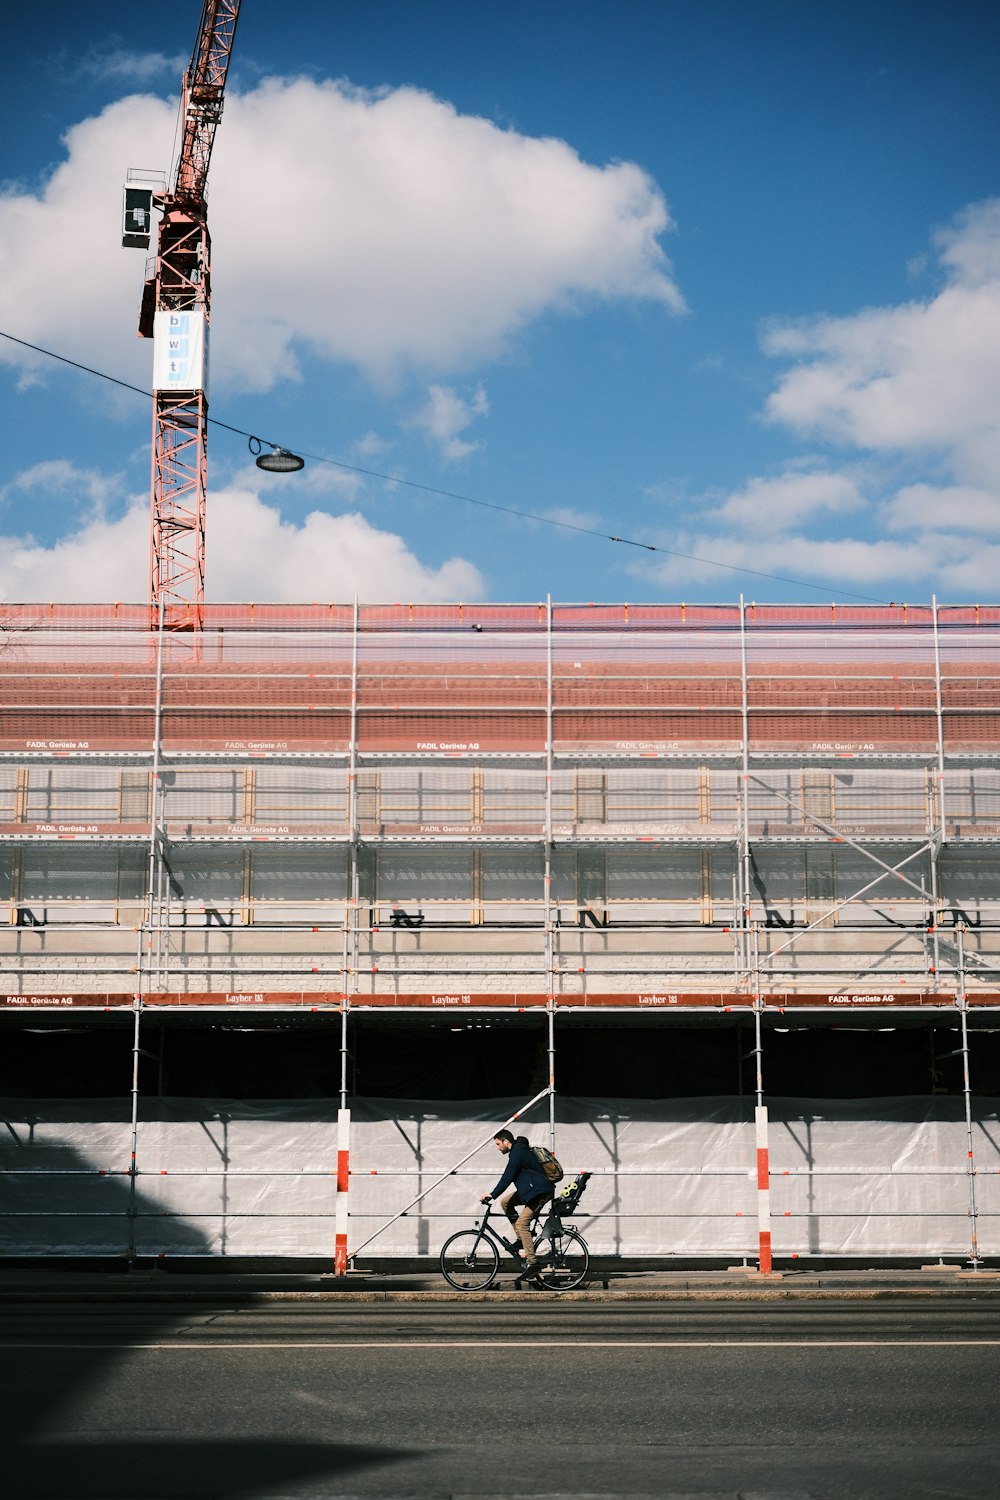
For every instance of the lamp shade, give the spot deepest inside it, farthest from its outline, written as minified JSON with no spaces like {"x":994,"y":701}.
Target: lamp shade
{"x":280,"y":461}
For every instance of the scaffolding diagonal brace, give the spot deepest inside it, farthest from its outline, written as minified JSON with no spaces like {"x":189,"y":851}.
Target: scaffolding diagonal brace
{"x":542,"y":1094}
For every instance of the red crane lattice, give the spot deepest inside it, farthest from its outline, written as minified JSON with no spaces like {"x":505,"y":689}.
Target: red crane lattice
{"x":176,"y":303}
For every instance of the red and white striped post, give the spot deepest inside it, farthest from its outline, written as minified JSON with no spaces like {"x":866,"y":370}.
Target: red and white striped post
{"x":760,"y":1122}
{"x":763,"y":1190}
{"x":343,"y":1183}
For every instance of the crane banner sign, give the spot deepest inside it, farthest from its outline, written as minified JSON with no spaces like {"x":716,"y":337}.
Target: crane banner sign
{"x":180,"y":351}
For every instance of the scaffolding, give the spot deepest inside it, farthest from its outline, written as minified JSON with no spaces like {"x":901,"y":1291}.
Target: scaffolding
{"x":527,"y":810}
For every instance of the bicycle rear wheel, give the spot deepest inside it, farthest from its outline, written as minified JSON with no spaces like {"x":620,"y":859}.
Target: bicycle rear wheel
{"x":567,"y":1260}
{"x":469,"y":1261}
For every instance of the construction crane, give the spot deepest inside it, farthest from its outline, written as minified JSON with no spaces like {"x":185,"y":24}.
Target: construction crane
{"x":175,"y":313}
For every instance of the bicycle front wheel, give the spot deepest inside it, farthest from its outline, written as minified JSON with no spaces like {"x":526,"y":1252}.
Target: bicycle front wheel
{"x":469,"y":1261}
{"x":566,"y":1260}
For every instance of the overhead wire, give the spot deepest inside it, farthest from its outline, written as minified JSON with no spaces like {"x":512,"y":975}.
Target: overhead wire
{"x":430,"y":489}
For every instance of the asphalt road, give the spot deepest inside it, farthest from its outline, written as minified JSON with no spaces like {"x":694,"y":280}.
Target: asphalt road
{"x":803,"y":1401}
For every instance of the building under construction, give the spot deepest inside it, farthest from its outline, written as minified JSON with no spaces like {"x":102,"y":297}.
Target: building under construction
{"x":305,"y":901}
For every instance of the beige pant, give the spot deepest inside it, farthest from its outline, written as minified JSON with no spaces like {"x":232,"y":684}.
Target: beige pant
{"x":520,"y":1215}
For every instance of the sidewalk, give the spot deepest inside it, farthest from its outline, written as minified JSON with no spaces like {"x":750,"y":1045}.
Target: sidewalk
{"x":608,"y":1282}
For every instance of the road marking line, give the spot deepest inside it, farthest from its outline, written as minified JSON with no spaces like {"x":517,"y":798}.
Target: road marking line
{"x":210,"y":1345}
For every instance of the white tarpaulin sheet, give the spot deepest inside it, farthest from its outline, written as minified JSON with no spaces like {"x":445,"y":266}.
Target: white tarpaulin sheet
{"x":884,"y":1177}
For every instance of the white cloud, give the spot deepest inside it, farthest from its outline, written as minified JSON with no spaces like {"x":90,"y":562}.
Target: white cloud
{"x":852,"y":564}
{"x":101,"y":560}
{"x":254,"y":554}
{"x":970,"y":246}
{"x":446,"y":414}
{"x":116,"y":64}
{"x":960,"y":508}
{"x":58,"y":478}
{"x":45,"y":295}
{"x":257,"y":555}
{"x":922,"y":537}
{"x":919,"y":379}
{"x":373,"y":445}
{"x":384,"y":229}
{"x":778,"y":503}
{"x":916,"y":387}
{"x":974,"y":571}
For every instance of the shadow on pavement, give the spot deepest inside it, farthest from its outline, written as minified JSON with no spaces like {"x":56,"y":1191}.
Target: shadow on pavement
{"x":164,"y":1470}
{"x":43,"y":1385}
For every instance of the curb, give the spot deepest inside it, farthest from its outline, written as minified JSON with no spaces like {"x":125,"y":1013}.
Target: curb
{"x":741,"y":1293}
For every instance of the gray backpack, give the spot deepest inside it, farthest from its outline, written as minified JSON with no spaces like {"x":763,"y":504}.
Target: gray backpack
{"x":549,"y":1163}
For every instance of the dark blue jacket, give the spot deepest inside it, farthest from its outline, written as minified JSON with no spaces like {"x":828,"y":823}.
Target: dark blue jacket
{"x":524,"y":1172}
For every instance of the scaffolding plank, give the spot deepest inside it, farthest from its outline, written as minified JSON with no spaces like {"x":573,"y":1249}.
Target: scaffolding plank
{"x":447,"y":1000}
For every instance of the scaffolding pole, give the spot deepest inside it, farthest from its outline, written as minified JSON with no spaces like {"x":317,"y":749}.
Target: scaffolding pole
{"x":941,"y":831}
{"x":743,"y":975}
{"x":152,"y":924}
{"x":939,"y":717}
{"x":963,"y":1011}
{"x":550,"y":983}
{"x":134,"y":1131}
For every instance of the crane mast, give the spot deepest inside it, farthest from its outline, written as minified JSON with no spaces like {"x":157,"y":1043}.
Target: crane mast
{"x":175,"y":311}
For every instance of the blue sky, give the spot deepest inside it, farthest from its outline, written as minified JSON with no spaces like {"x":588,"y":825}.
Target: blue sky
{"x":721,"y":278}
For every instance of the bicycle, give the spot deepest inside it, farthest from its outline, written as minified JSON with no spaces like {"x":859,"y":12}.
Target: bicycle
{"x":470,"y":1259}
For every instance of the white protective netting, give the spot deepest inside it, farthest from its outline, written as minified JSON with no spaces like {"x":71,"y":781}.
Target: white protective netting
{"x":878,"y":1178}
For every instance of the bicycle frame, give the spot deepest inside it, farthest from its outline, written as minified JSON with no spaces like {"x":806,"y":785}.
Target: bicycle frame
{"x":486,"y":1231}
{"x":545,"y":1223}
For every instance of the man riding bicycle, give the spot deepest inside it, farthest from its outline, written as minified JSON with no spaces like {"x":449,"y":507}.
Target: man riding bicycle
{"x":529,"y":1188}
